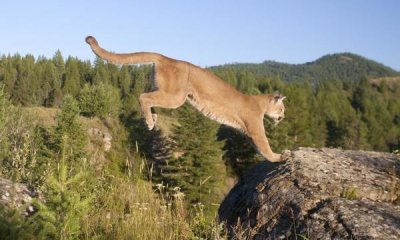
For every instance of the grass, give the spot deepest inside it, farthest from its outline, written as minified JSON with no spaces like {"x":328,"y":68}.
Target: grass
{"x":134,"y":211}
{"x":349,"y":194}
{"x":44,"y":116}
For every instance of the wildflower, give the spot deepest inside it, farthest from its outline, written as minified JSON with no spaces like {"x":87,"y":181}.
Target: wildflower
{"x":179,"y":195}
{"x":160,"y":186}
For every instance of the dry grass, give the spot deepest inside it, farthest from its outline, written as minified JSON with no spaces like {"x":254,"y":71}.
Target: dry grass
{"x":134,"y":211}
{"x":44,"y":116}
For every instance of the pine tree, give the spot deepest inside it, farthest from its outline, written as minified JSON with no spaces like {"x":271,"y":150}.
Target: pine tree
{"x":9,"y":74}
{"x":47,"y":76}
{"x":26,"y":81}
{"x":66,"y":205}
{"x":298,"y":114}
{"x":141,"y":79}
{"x":199,"y":171}
{"x":59,"y":63}
{"x":344,"y":126}
{"x":139,"y":82}
{"x":71,"y":81}
{"x":246,"y":83}
{"x":100,"y":72}
{"x":5,"y":111}
{"x":55,"y":97}
{"x":100,"y":100}
{"x":374,"y":109}
{"x":124,"y":81}
{"x":240,"y":154}
{"x":229,"y":74}
{"x":69,"y":128}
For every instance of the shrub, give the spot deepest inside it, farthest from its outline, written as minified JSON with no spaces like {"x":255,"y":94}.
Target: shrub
{"x":99,"y":100}
{"x":69,"y":131}
{"x":20,"y":154}
{"x":66,"y":202}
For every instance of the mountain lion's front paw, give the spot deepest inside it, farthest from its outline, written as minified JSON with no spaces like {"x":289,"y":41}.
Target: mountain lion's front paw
{"x":150,"y":124}
{"x":275,"y":157}
{"x":285,"y":155}
{"x":151,"y":121}
{"x":154,"y":116}
{"x":280,"y":157}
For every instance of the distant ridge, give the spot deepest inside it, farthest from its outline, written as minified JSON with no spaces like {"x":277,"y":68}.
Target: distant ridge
{"x":346,"y":67}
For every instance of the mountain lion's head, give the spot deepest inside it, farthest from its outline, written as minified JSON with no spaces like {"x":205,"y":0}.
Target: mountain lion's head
{"x":276,"y":108}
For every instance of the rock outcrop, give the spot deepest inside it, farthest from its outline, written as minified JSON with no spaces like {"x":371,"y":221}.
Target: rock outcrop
{"x":16,"y":196}
{"x":101,"y":136}
{"x":100,"y":144}
{"x":317,"y":194}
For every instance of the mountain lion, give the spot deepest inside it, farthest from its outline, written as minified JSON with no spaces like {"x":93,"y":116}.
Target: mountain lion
{"x":177,"y":81}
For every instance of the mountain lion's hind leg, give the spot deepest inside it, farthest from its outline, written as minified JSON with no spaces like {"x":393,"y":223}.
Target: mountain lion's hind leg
{"x":159,"y":99}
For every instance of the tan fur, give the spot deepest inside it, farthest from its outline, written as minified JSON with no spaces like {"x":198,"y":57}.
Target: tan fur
{"x":179,"y":81}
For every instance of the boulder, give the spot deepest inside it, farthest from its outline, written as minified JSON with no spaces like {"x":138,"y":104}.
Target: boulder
{"x":16,"y":196}
{"x":317,"y":194}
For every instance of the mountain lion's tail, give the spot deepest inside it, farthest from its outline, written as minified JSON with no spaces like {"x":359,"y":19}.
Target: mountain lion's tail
{"x":122,"y":58}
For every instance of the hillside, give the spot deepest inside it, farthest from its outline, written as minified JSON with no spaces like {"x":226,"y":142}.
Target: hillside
{"x":341,"y":66}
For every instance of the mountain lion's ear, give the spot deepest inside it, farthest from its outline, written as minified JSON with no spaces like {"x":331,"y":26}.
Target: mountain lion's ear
{"x":279,"y":98}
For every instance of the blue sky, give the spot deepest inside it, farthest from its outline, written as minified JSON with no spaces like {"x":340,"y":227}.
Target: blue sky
{"x":206,"y":32}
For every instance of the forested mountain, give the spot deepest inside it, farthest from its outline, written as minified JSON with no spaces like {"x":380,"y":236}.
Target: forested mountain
{"x":346,"y":67}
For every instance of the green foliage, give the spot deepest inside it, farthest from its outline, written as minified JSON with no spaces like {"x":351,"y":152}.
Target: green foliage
{"x":127,"y":210}
{"x":71,"y":81}
{"x":26,"y":82}
{"x":20,"y":155}
{"x":100,"y":100}
{"x":240,"y":154}
{"x":65,"y":205}
{"x":69,"y":131}
{"x":339,"y":116}
{"x":199,"y":171}
{"x":100,"y":71}
{"x":350,"y":194}
{"x":14,"y":226}
{"x":24,"y":159}
{"x":203,"y":225}
{"x":5,"y":120}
